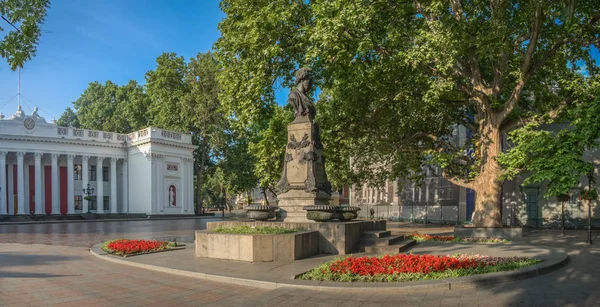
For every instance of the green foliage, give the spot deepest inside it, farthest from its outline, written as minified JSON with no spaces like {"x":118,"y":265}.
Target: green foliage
{"x":588,"y":195}
{"x":261,"y":44}
{"x":555,"y":154}
{"x":69,"y":119}
{"x":110,"y":107}
{"x":256,"y":230}
{"x":19,"y":46}
{"x":179,"y":96}
{"x":268,"y":147}
{"x":397,"y":78}
{"x":185,"y":98}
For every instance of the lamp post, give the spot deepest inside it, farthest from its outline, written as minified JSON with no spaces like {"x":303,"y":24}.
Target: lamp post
{"x":590,"y":176}
{"x":89,"y":191}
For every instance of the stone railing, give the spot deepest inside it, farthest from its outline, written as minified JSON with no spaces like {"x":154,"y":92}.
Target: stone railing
{"x":157,"y":133}
{"x":88,"y":135}
{"x":113,"y":137}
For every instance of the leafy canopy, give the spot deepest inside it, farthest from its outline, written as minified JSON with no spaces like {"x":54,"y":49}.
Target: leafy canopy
{"x":398,"y":77}
{"x":19,"y":45}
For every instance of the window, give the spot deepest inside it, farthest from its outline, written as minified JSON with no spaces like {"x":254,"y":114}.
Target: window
{"x":92,"y":173}
{"x":78,"y":202}
{"x":105,"y":173}
{"x":105,"y":203}
{"x":77,"y":172}
{"x":531,"y":202}
{"x":92,"y":203}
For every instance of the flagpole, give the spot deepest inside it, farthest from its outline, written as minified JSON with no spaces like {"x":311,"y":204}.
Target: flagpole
{"x":19,"y":93}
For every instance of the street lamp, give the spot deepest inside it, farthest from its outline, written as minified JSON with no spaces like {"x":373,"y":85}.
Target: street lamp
{"x":590,"y":176}
{"x":89,"y":191}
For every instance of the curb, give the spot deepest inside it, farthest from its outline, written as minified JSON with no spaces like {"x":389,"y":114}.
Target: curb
{"x":548,"y":265}
{"x":110,"y":220}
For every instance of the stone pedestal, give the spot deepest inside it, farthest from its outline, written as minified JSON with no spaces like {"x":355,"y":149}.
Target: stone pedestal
{"x":303,"y":181}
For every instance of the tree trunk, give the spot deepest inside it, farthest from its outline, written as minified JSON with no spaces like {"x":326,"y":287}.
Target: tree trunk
{"x":200,"y":173}
{"x":487,"y":185}
{"x":487,"y":202}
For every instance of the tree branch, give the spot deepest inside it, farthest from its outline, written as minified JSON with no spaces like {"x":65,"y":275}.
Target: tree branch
{"x":550,"y":115}
{"x":457,"y":9}
{"x":526,"y":70}
{"x":457,"y":181}
{"x":497,"y":84}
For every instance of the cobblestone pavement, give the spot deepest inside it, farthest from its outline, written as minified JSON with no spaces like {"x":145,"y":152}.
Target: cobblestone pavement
{"x":35,"y":274}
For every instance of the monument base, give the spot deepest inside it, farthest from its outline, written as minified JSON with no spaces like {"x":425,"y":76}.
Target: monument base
{"x":292,"y":202}
{"x":339,"y":238}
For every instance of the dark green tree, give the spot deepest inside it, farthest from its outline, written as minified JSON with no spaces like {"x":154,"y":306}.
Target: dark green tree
{"x":110,"y":107}
{"x":69,"y":119}
{"x":185,"y":98}
{"x":398,"y":77}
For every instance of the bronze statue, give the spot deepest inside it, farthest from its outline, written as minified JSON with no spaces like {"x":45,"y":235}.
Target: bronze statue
{"x":304,"y":109}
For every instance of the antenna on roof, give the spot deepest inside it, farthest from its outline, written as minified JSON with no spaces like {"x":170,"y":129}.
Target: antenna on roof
{"x":19,"y":93}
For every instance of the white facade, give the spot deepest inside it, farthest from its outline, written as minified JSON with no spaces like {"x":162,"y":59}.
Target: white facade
{"x":45,"y":168}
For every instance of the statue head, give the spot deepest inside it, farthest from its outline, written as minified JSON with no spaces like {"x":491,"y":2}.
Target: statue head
{"x":303,"y":78}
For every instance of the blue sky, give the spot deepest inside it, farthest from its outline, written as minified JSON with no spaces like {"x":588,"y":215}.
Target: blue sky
{"x":105,"y":40}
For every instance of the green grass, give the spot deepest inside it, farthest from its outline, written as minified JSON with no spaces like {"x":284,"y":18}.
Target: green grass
{"x":322,"y":273}
{"x":255,"y":230}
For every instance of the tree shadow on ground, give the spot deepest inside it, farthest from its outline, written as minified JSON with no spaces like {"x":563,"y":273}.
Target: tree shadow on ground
{"x":14,"y":259}
{"x":32,"y":275}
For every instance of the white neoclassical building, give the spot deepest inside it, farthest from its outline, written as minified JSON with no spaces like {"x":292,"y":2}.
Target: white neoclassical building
{"x":44,"y":169}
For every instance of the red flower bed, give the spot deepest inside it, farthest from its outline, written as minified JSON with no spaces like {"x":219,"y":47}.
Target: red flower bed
{"x":401,"y":263}
{"x":128,"y":247}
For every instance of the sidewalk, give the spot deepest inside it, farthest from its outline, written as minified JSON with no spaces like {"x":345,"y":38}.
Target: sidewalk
{"x":273,"y":275}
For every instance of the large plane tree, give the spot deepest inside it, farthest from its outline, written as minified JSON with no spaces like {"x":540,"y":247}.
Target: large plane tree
{"x":397,"y":77}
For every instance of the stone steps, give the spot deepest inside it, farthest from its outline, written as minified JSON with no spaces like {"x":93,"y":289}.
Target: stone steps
{"x":384,"y":241}
{"x":375,"y":234}
{"x":397,"y":248}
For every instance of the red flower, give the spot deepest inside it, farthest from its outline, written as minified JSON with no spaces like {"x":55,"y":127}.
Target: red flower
{"x":128,"y":247}
{"x":400,"y":263}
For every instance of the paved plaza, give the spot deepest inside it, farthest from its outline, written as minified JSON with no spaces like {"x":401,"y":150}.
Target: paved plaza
{"x":34,"y":274}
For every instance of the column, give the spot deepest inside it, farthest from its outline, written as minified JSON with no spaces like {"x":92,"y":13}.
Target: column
{"x":55,"y":195}
{"x":125,"y":186}
{"x":161,"y":183}
{"x":20,"y":184}
{"x":11,"y":189}
{"x":70,"y":185}
{"x":84,"y":182}
{"x":182,"y":193}
{"x":38,"y":183}
{"x":3,"y":210}
{"x":26,"y":188}
{"x":99,"y":186}
{"x":113,"y":185}
{"x":190,"y":181}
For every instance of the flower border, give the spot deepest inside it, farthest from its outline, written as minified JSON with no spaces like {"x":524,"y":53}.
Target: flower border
{"x":409,"y":267}
{"x":166,"y":246}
